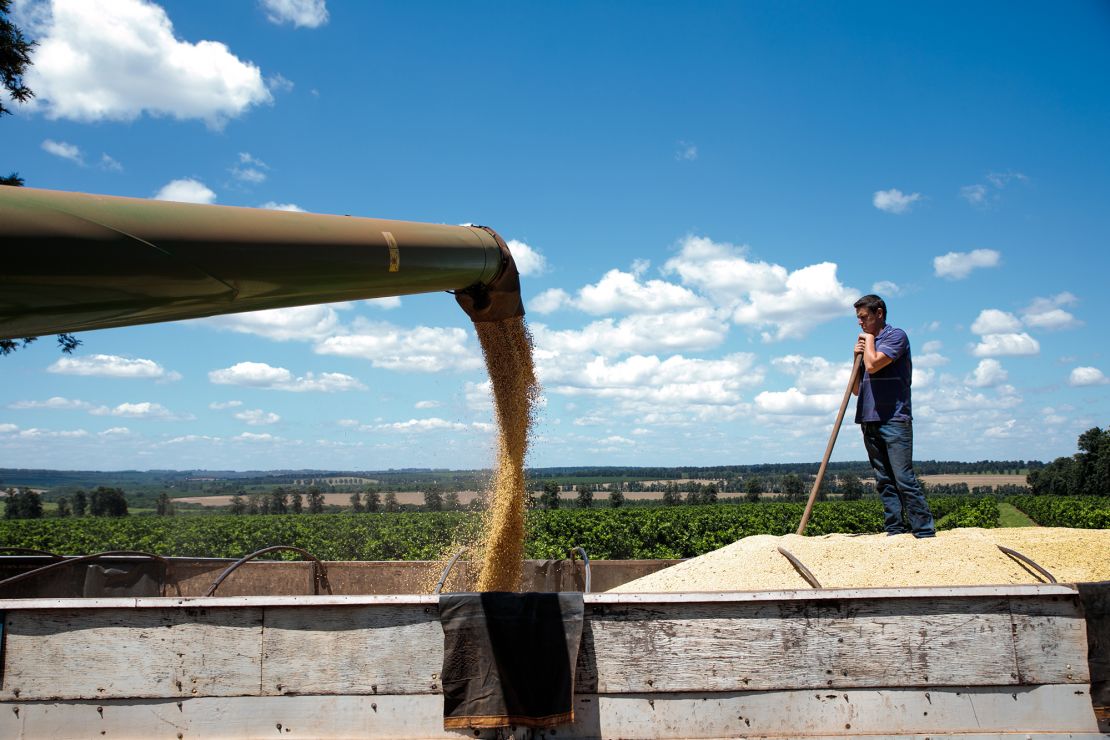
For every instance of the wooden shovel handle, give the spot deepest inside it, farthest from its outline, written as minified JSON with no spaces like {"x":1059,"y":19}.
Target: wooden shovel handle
{"x":857,"y":363}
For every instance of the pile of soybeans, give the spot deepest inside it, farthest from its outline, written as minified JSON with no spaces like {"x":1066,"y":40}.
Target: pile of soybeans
{"x":957,"y":557}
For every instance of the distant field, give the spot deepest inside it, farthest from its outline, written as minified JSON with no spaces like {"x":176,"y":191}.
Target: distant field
{"x":330,"y":499}
{"x":973,"y":480}
{"x":465,"y":497}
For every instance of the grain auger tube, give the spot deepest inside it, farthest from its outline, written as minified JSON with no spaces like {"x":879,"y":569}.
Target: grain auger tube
{"x":75,"y":262}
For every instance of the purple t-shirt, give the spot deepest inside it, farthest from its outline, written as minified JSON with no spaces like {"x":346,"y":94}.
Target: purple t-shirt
{"x":885,"y":395}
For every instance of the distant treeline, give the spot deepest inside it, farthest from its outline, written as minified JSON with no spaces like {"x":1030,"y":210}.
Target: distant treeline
{"x":860,"y":467}
{"x":208,"y":481}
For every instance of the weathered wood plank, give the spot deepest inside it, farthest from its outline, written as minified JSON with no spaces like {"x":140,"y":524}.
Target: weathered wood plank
{"x":973,"y":714}
{"x":1050,"y":640}
{"x":82,"y":654}
{"x":352,"y":650}
{"x":865,"y":643}
{"x":394,"y":647}
{"x":1095,"y":598}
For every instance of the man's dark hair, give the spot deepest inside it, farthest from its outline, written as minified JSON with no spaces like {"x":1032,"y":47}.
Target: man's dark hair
{"x":872,"y":303}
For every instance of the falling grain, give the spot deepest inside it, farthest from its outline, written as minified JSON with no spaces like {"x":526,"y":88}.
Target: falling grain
{"x":507,"y":348}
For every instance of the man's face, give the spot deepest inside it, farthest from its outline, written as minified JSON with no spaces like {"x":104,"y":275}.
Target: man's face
{"x":870,"y":322}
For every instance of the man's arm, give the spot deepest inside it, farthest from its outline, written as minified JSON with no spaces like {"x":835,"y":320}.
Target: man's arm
{"x":873,"y":360}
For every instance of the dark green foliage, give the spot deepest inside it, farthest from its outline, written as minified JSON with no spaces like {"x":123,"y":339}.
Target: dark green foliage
{"x":793,"y":487}
{"x":372,"y":500}
{"x":1086,"y":473}
{"x":981,"y":512}
{"x":671,"y":495}
{"x":107,"y":502}
{"x":433,"y":499}
{"x":585,"y":497}
{"x":164,"y":506}
{"x":1086,"y":512}
{"x":279,"y":501}
{"x":616,"y":498}
{"x":607,"y":533}
{"x":549,"y":499}
{"x":15,"y":58}
{"x":356,"y":503}
{"x":753,"y":488}
{"x":851,"y":488}
{"x":315,"y":501}
{"x":22,"y":503}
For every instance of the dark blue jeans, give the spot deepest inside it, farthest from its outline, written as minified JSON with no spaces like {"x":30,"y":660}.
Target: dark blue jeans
{"x":890,"y":449}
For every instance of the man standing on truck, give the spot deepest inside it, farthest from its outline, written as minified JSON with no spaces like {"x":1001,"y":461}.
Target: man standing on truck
{"x":883,"y":413}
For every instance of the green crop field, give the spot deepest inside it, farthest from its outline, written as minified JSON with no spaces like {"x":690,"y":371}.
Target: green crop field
{"x":1083,"y":512}
{"x":658,"y":532}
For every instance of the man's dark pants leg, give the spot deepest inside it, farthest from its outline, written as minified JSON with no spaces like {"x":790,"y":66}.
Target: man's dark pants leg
{"x":890,"y":450}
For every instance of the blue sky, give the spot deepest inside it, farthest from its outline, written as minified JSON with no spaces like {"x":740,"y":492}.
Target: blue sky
{"x":696,"y":194}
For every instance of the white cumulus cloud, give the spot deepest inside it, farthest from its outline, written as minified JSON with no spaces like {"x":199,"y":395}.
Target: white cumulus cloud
{"x":1084,"y":376}
{"x":54,"y":402}
{"x":253,"y":437}
{"x":794,"y":402}
{"x":110,"y":164}
{"x":141,"y":410}
{"x":63,"y":150}
{"x":993,"y":321}
{"x":1046,"y":313}
{"x":894,"y":200}
{"x":815,"y":375}
{"x":433,"y":424}
{"x":549,"y":300}
{"x":112,"y":366}
{"x":258,"y":417}
{"x":300,"y":13}
{"x":420,"y":349}
{"x":622,"y":292}
{"x":784,"y":304}
{"x":304,"y":323}
{"x":35,"y":433}
{"x":958,"y":265}
{"x":273,"y":205}
{"x":529,"y":260}
{"x":676,"y":381}
{"x":117,"y":60}
{"x":261,"y":375}
{"x":1012,"y":344}
{"x":186,"y":190}
{"x":886,"y":287}
{"x":385,"y":303}
{"x":987,"y":374}
{"x":696,"y":329}
{"x":930,"y":355}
